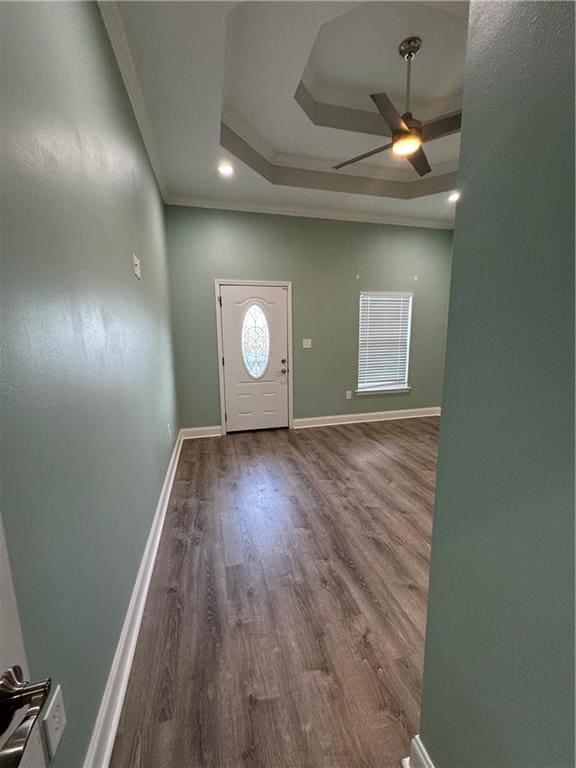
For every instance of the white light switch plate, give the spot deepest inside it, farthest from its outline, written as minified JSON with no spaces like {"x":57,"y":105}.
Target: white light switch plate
{"x":306,"y":343}
{"x":137,"y":270}
{"x":54,"y":722}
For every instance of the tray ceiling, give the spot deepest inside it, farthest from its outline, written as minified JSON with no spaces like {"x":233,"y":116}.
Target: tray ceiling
{"x":282,"y":91}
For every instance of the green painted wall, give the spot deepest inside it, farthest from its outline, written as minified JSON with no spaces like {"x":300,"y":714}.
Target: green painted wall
{"x":86,"y":368}
{"x":499,"y":666}
{"x":323,"y":259}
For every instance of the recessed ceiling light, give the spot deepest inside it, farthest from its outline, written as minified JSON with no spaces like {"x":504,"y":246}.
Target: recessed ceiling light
{"x":454,"y":197}
{"x":225,"y":169}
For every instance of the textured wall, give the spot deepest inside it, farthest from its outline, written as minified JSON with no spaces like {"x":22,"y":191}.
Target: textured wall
{"x":86,"y":367}
{"x":498,"y":672}
{"x":322,"y":258}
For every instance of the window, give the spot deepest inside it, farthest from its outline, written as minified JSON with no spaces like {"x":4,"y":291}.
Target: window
{"x":255,"y":341}
{"x":384,"y":341}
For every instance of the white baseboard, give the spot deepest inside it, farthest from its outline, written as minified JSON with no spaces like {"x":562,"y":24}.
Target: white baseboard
{"x":192,"y":432}
{"x":419,"y":758}
{"x":358,"y":418}
{"x":104,"y":733}
{"x":325,"y":421}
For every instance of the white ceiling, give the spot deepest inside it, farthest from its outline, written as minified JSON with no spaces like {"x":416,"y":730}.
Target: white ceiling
{"x":190,"y":65}
{"x":357,"y":54}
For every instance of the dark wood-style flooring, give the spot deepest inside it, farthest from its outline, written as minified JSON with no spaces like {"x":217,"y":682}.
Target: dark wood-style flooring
{"x":285,"y":621}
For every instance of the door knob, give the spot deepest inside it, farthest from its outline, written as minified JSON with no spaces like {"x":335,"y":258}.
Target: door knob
{"x":14,"y":694}
{"x":283,"y":370}
{"x":283,"y":361}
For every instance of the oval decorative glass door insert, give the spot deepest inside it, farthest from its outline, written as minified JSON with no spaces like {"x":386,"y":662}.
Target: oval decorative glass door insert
{"x":255,"y":341}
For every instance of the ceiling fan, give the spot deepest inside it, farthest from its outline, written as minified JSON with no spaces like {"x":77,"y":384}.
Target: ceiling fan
{"x":408,"y":134}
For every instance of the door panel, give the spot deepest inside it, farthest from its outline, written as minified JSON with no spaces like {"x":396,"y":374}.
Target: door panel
{"x":255,"y":350}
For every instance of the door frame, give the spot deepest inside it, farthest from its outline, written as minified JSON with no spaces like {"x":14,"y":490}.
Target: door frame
{"x":218,"y":283}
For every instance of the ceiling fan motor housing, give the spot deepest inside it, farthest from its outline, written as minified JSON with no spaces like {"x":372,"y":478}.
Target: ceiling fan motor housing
{"x":414,"y":127}
{"x":411,"y":121}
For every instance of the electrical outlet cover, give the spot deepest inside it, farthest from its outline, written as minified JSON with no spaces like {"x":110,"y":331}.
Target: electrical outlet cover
{"x":307,"y":343}
{"x":54,"y":722}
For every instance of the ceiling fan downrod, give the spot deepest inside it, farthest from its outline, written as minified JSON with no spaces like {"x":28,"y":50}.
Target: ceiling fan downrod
{"x":408,"y":49}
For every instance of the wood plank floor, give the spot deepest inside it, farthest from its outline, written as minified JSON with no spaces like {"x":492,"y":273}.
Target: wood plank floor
{"x":285,"y":622}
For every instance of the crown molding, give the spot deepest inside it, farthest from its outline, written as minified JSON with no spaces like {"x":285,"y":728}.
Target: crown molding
{"x":306,"y":213}
{"x":242,"y":129}
{"x":339,"y":116}
{"x":373,"y":171}
{"x":113,"y":23}
{"x":233,"y":121}
{"x":333,"y":97}
{"x":324,"y":180}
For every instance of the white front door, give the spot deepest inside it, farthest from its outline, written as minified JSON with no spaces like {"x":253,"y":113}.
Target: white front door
{"x":254,"y":320}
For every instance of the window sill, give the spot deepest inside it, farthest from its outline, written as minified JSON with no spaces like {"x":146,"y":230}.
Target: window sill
{"x":383,"y":391}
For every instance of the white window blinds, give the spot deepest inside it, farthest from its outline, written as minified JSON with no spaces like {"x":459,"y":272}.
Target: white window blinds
{"x":384,"y":341}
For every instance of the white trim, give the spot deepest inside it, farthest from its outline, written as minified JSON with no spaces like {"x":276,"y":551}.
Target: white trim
{"x":354,"y":183}
{"x":324,"y":421}
{"x":333,"y":96}
{"x":218,"y":283}
{"x":419,"y":757}
{"x":220,"y":345}
{"x":397,"y":173}
{"x":290,"y":360}
{"x":394,"y":173}
{"x":114,"y":27}
{"x":278,"y":209}
{"x":382,"y":390}
{"x":105,"y":727}
{"x":191,"y":433}
{"x":243,"y":130}
{"x":273,"y":283}
{"x":359,"y":418}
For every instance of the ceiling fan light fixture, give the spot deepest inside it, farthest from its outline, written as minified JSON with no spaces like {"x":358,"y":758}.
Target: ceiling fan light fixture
{"x":406,"y":144}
